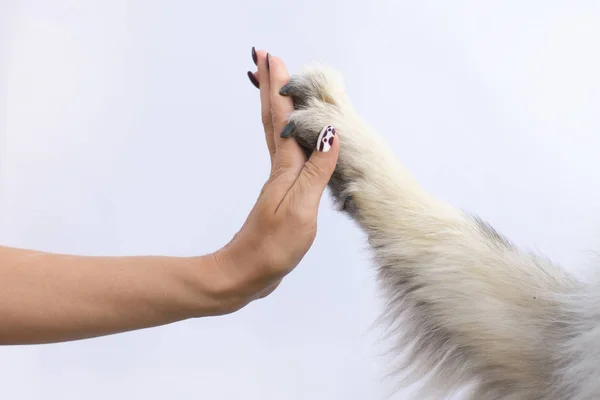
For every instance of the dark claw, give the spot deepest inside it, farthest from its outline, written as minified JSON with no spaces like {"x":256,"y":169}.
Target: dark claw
{"x":254,"y":58}
{"x":288,"y":130}
{"x":285,"y":90}
{"x":268,"y":67}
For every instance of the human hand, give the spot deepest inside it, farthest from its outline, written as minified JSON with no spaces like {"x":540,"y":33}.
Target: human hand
{"x":282,"y":226}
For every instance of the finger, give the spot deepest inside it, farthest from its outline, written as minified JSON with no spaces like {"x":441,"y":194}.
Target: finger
{"x":265,"y":100}
{"x":289,"y":155}
{"x":317,"y":171}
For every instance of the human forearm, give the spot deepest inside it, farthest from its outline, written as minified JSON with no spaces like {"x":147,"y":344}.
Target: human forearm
{"x":48,"y":297}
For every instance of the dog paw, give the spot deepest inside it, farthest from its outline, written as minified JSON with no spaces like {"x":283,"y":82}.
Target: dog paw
{"x":319,"y":100}
{"x":321,"y":111}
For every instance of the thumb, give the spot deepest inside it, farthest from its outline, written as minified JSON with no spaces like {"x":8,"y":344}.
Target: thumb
{"x":316,"y":173}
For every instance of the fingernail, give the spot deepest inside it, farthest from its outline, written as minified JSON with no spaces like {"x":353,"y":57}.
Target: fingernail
{"x":253,"y":80}
{"x":325,"y":140}
{"x":288,"y":130}
{"x":268,"y":68}
{"x":254,"y":58}
{"x":285,"y":90}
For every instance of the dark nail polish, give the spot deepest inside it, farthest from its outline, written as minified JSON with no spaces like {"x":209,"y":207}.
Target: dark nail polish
{"x":253,"y":80}
{"x":254,"y":58}
{"x":288,"y":130}
{"x":268,"y":68}
{"x":285,"y":90}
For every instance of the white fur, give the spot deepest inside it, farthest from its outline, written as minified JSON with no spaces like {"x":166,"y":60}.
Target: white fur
{"x":466,"y":306}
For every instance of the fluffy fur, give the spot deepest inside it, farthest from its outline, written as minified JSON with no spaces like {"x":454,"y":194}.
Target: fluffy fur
{"x":465,"y":305}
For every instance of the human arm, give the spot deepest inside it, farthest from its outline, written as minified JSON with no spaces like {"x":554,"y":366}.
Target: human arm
{"x":48,"y":297}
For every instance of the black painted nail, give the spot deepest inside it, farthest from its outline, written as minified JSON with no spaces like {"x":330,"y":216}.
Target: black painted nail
{"x":285,"y":90}
{"x":288,"y":130}
{"x":253,"y":80}
{"x":254,"y":58}
{"x":268,"y":68}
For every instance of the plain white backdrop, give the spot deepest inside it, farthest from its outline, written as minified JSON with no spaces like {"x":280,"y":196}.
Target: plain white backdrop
{"x":130,"y":127}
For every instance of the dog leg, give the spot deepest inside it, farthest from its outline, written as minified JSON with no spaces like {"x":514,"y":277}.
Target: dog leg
{"x":473,"y":307}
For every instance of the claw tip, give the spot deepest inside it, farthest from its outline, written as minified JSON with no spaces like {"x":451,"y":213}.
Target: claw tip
{"x":288,"y":130}
{"x":284,"y":91}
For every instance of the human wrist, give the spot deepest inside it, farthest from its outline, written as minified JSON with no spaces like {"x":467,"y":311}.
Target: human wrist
{"x":245,"y":271}
{"x":226,"y":279}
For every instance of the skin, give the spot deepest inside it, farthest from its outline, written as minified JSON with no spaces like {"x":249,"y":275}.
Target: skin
{"x":46,"y":297}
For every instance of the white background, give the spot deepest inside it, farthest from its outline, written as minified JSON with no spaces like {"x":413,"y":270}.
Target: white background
{"x":130,"y":127}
